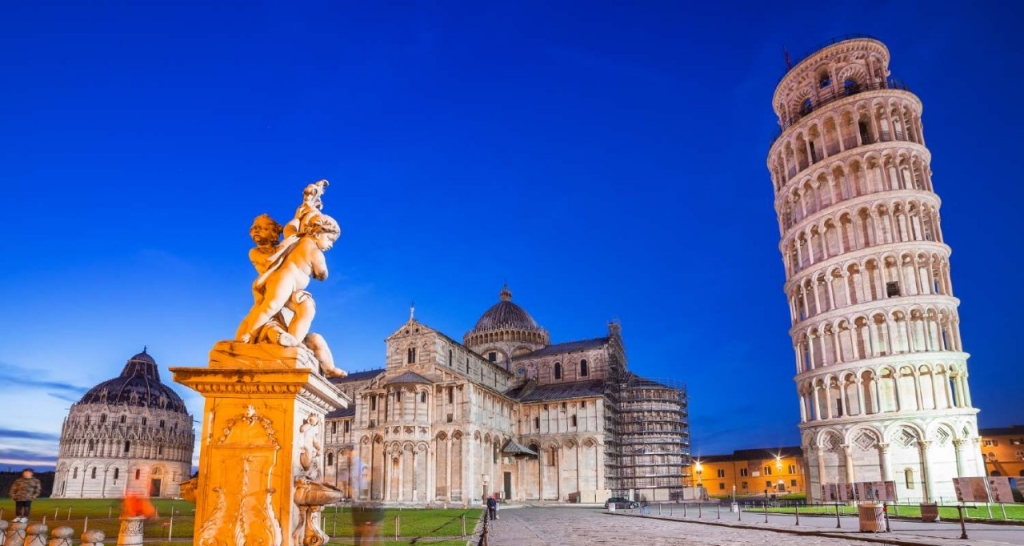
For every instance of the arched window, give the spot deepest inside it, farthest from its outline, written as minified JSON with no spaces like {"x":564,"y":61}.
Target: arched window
{"x":330,"y":459}
{"x":103,"y":418}
{"x":558,"y":370}
{"x":74,"y":473}
{"x":138,"y":473}
{"x":851,"y":87}
{"x":93,"y":474}
{"x":824,"y":82}
{"x":806,"y":107}
{"x":92,"y":445}
{"x":450,"y":355}
{"x":122,"y":419}
{"x":334,"y":427}
{"x":423,"y":397}
{"x":584,"y":368}
{"x":411,"y":355}
{"x":117,"y":473}
{"x":127,"y":446}
{"x":161,"y":423}
{"x":908,"y":477}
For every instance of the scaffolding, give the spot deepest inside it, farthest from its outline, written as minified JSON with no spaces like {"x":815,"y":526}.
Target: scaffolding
{"x":652,"y":434}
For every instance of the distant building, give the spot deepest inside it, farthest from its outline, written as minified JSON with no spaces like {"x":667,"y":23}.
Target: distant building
{"x":131,"y":433}
{"x":881,"y":372}
{"x":506,"y":412}
{"x":752,"y":472}
{"x":1003,"y":449}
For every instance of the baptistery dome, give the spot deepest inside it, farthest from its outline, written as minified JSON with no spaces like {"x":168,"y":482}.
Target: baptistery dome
{"x":131,"y":433}
{"x":138,"y":385}
{"x":505,"y":330}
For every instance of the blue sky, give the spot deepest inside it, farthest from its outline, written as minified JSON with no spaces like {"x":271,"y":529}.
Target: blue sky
{"x":606,"y":159}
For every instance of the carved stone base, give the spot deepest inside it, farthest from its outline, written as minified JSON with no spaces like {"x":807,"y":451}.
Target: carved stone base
{"x":262,"y":430}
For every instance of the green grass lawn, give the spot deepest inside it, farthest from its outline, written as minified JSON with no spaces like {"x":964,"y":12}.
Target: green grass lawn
{"x":1014,"y":512}
{"x":416,"y":526}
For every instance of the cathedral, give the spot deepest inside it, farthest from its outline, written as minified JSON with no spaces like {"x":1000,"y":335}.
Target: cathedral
{"x":506,"y":413}
{"x":129,"y":434}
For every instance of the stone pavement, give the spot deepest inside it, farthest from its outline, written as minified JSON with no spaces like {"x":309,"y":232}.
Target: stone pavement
{"x":590,"y":526}
{"x":556,"y":526}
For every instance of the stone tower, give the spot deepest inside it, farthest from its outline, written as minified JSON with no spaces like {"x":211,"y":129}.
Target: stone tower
{"x":880,"y":370}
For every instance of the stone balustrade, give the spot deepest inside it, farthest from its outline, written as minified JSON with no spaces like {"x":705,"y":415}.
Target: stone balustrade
{"x":38,"y":534}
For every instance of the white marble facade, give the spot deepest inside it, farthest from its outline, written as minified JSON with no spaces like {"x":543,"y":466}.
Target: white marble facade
{"x":881,"y":372}
{"x":129,"y":434}
{"x":506,"y":413}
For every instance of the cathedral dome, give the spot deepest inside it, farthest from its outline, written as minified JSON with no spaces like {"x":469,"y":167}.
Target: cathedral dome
{"x":505,"y":330}
{"x":506,"y":315}
{"x":138,"y":385}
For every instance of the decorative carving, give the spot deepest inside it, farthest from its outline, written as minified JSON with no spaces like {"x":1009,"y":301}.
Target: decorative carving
{"x":309,"y":448}
{"x":311,"y":497}
{"x":245,"y":455}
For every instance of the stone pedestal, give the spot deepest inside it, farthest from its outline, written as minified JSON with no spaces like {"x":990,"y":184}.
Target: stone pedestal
{"x":16,"y":534}
{"x":132,"y":530}
{"x":263,"y":429}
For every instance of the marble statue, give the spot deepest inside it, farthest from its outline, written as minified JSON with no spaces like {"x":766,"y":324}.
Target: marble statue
{"x":283,"y":309}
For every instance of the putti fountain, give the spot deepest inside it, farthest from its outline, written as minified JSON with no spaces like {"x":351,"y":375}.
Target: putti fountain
{"x":266,"y":395}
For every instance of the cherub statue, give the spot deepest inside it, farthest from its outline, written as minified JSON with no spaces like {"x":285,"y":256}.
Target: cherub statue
{"x":312,"y":203}
{"x":284,"y":273}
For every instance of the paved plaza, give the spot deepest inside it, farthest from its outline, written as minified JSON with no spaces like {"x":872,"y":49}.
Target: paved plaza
{"x":542,"y":526}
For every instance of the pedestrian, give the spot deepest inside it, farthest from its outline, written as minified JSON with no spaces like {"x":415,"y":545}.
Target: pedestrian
{"x":492,"y":508}
{"x":644,"y":509}
{"x":24,"y":490}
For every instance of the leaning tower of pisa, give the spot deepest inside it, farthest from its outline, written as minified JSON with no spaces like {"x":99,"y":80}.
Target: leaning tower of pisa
{"x":880,"y":370}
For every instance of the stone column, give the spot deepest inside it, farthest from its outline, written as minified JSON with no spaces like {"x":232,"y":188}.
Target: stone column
{"x":848,"y":462}
{"x":262,"y":429}
{"x":979,"y":457}
{"x":958,"y":446}
{"x":821,"y":466}
{"x":926,"y":473}
{"x":883,"y":456}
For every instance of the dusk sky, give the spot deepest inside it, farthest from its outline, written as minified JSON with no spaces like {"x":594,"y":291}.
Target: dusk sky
{"x":606,"y":159}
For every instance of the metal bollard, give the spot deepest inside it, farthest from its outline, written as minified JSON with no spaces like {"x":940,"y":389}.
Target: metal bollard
{"x":766,"y":511}
{"x":659,"y":508}
{"x":796,"y":509}
{"x":719,"y":506}
{"x":684,"y":509}
{"x":739,"y":513}
{"x":16,"y":534}
{"x":397,"y":523}
{"x":700,"y":510}
{"x":35,"y":535}
{"x":838,"y":524}
{"x":463,"y":524}
{"x":93,"y":538}
{"x":61,"y":536}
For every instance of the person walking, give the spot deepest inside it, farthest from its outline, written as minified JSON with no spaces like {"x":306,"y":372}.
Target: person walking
{"x":24,"y":490}
{"x":492,"y":507}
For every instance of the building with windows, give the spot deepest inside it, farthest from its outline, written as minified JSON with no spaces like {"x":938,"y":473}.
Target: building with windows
{"x":1003,"y":450}
{"x":505,"y":412}
{"x":881,"y":372}
{"x":131,"y":433}
{"x":747,"y":472}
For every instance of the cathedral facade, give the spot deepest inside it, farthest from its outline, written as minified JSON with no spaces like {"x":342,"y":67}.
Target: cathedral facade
{"x":130,"y":434}
{"x":505,"y":413}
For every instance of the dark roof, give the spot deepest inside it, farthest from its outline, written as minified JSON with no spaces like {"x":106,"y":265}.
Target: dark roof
{"x":506,"y":315}
{"x":513,"y":447}
{"x":409,"y":377}
{"x":566,"y":347}
{"x":350,"y":411}
{"x":557,"y":391}
{"x":138,"y":385}
{"x":357,"y":376}
{"x":756,"y":454}
{"x":1012,"y":430}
